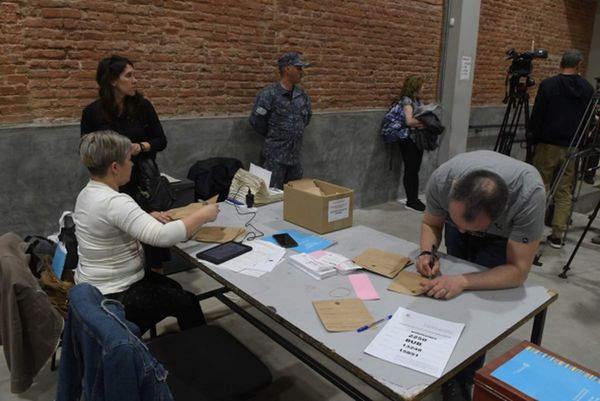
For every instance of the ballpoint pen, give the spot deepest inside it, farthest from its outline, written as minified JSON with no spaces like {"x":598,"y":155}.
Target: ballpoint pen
{"x":368,"y":326}
{"x":432,"y":260}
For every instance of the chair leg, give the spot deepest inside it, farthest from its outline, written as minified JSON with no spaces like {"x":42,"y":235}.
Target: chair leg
{"x":53,"y":362}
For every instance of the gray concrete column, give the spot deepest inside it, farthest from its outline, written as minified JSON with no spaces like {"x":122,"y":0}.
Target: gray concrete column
{"x":458,"y":63}
{"x":593,"y":63}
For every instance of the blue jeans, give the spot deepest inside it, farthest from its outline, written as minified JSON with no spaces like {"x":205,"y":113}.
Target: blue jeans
{"x":488,"y":251}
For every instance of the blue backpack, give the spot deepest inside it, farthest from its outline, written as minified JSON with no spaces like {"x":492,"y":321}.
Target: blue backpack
{"x":394,"y":126}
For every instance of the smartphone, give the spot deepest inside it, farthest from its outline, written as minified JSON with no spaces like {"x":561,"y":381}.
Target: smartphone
{"x":285,"y":240}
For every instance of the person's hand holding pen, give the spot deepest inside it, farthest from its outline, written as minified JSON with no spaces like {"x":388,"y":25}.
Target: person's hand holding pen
{"x":428,"y":263}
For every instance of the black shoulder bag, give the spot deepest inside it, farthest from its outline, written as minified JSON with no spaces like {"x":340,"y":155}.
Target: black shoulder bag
{"x":154,"y":191}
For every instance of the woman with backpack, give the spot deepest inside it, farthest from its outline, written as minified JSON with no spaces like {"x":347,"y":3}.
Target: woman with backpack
{"x":398,"y":126}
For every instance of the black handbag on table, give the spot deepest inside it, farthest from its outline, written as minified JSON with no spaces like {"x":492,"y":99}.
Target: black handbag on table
{"x":154,"y":191}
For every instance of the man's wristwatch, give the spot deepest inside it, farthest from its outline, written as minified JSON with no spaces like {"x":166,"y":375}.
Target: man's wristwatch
{"x":142,"y":147}
{"x":424,"y":253}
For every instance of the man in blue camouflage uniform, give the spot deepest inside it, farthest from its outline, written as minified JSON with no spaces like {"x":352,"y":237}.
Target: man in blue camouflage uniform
{"x":280,"y":113}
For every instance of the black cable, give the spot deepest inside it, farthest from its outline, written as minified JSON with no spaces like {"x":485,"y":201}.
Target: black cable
{"x":250,"y":235}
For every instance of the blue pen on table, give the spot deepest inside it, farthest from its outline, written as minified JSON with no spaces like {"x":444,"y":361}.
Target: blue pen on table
{"x":368,"y":326}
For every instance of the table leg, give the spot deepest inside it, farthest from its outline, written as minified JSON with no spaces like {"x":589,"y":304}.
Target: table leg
{"x":538,"y":327}
{"x":307,"y":359}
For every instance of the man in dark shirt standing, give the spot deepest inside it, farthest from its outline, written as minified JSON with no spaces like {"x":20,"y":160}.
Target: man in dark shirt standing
{"x":280,"y":113}
{"x":559,"y":106}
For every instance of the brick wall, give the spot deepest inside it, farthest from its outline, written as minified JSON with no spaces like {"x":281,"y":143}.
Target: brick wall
{"x":552,"y":25}
{"x":197,"y":58}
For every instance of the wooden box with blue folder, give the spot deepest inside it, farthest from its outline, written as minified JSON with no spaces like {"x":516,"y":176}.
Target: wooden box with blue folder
{"x":318,"y":205}
{"x":529,"y":372}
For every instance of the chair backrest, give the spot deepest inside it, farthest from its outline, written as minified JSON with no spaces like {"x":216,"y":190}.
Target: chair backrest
{"x":30,"y":327}
{"x":102,"y":355}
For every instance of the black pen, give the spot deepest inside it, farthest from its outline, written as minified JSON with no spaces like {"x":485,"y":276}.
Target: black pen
{"x":432,"y":260}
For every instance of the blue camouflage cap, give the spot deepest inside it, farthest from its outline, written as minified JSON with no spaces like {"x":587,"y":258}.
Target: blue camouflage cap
{"x":291,"y":58}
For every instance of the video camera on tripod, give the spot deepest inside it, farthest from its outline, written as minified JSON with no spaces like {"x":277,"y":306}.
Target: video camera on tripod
{"x":517,"y":81}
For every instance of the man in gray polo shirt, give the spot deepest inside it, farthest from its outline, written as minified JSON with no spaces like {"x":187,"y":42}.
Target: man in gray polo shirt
{"x":491,"y":208}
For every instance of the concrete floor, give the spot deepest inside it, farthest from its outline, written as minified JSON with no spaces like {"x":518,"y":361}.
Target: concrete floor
{"x":572,"y":325}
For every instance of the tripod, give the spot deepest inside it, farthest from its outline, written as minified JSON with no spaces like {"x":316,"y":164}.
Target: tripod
{"x":592,"y":152}
{"x":517,"y":100}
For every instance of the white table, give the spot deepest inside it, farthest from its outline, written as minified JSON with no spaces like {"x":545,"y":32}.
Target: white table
{"x":286,"y":296}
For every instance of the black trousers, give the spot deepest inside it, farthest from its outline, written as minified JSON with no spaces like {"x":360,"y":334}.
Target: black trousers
{"x":487,"y":251}
{"x":412,"y":157}
{"x":155,"y":297}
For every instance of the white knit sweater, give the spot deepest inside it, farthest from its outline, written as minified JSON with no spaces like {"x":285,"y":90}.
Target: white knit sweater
{"x":109,"y":227}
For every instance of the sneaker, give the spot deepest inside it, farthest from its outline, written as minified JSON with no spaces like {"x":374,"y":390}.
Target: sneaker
{"x":454,"y":390}
{"x":556,"y":243}
{"x":415,"y":205}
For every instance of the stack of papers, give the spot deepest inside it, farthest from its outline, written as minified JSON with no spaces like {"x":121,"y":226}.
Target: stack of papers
{"x":342,"y":264}
{"x":312,"y":266}
{"x":243,"y":180}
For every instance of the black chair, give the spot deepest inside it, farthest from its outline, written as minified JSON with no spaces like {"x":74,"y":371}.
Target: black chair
{"x":204,"y":363}
{"x":208,"y":363}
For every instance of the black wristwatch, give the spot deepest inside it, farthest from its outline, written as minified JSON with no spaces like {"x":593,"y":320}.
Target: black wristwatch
{"x":142,"y":147}
{"x":424,"y":253}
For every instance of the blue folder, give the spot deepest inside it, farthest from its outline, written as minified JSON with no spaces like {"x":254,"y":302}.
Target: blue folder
{"x":545,"y":378}
{"x":307,"y":243}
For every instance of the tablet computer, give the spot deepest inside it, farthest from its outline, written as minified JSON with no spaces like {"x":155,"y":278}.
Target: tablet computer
{"x":223,"y":252}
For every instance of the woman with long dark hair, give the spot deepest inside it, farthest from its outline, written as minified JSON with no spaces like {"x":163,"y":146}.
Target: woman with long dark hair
{"x":123,"y":109}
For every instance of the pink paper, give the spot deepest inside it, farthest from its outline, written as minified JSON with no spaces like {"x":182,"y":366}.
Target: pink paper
{"x":363,"y":287}
{"x":317,"y":254}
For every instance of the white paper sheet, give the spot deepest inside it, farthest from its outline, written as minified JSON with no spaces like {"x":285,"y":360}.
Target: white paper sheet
{"x":416,"y":341}
{"x":263,"y":258}
{"x":261,"y":173}
{"x":172,"y":180}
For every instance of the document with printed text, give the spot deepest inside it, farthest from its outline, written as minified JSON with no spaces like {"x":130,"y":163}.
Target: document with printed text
{"x":416,"y":341}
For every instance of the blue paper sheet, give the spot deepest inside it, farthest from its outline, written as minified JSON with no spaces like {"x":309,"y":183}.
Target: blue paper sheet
{"x":58,"y":261}
{"x":307,"y":243}
{"x":546,"y":378}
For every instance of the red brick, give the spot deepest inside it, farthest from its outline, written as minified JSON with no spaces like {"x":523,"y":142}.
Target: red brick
{"x":210,"y":58}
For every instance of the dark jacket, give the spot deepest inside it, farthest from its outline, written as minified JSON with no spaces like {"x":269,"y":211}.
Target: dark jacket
{"x":102,"y":355}
{"x":559,"y":107}
{"x":427,"y":138}
{"x":144,"y":126}
{"x":281,"y":116}
{"x":29,"y":326}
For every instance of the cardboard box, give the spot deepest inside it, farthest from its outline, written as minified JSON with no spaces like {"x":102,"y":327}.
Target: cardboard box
{"x":558,"y":374}
{"x":318,"y":205}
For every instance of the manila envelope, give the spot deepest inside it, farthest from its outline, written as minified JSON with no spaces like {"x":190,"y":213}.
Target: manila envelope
{"x":218,"y":234}
{"x":343,"y":314}
{"x":407,"y":283}
{"x":181,"y":212}
{"x":385,"y":263}
{"x":184,"y":211}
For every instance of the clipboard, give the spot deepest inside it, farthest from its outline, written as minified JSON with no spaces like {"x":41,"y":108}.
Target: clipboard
{"x":385,"y":263}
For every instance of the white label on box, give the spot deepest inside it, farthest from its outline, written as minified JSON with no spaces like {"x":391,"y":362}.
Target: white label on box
{"x":338,"y":209}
